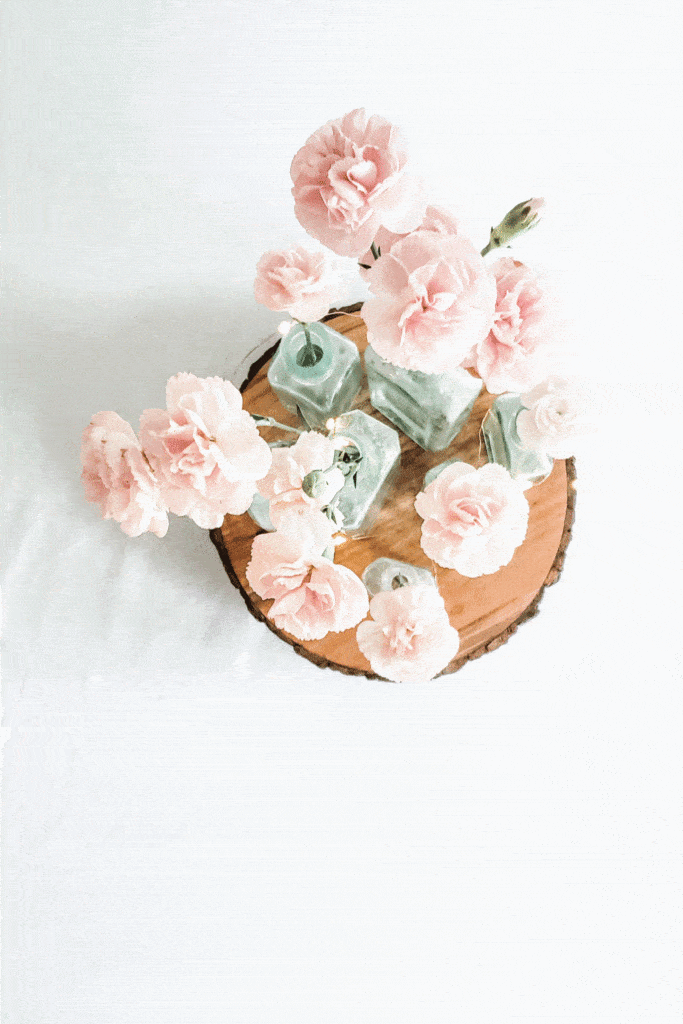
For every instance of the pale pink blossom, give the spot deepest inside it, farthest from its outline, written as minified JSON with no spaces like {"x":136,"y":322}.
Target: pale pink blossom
{"x":436,"y":220}
{"x":535,"y":207}
{"x":205,"y":449}
{"x":311,"y":595}
{"x":117,"y":477}
{"x":410,"y":638}
{"x":350,"y":180}
{"x":474,"y":519}
{"x":557,"y":418}
{"x":282,"y":485}
{"x":435,"y":299}
{"x":302,"y":283}
{"x":511,"y":357}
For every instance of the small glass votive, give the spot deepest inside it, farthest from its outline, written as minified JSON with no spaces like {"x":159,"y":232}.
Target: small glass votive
{"x":431,"y":408}
{"x":319,"y":376}
{"x":389,"y":574}
{"x":504,"y":446}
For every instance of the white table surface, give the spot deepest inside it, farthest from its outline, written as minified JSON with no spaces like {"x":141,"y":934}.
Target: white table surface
{"x":199,"y":826}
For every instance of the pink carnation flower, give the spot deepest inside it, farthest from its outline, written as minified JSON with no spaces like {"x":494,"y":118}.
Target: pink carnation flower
{"x":436,"y":220}
{"x":311,"y":595}
{"x":205,"y":449}
{"x":302,"y":283}
{"x":509,"y":358}
{"x":557,"y":417}
{"x":473,"y":518}
{"x":411,"y":638}
{"x":117,"y":477}
{"x":435,"y":299}
{"x":350,"y":180}
{"x":282,"y":484}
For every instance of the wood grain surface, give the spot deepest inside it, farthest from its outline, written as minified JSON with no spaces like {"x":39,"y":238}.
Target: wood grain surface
{"x":485,"y":610}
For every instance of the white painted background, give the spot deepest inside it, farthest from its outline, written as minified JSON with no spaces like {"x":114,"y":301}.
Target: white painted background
{"x":200,"y":827}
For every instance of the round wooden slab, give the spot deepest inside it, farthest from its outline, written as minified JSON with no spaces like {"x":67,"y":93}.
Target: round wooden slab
{"x":485,"y":610}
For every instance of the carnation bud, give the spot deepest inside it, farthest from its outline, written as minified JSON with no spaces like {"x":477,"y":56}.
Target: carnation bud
{"x":323,"y":484}
{"x":520,"y":219}
{"x":314,"y":483}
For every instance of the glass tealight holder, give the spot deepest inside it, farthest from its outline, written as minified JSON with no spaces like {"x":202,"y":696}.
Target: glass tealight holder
{"x":380,"y":449}
{"x":319,"y":379}
{"x":504,"y":446}
{"x":388,"y":574}
{"x":431,"y":408}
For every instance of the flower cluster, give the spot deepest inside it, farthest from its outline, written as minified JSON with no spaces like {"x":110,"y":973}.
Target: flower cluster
{"x":436,"y":304}
{"x":200,"y":457}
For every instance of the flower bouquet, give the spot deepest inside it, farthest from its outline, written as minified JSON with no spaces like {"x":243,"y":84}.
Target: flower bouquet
{"x":345,"y":484}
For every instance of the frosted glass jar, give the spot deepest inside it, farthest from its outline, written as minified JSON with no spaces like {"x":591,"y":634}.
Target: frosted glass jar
{"x":431,"y":408}
{"x":504,"y":446}
{"x":388,"y":574}
{"x":319,"y":385}
{"x":380,"y":448}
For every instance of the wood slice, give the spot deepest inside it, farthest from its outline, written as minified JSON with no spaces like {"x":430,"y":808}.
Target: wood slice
{"x":486,"y":610}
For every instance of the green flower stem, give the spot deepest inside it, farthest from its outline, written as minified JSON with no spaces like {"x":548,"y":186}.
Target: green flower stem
{"x":309,"y":354}
{"x":268,"y":421}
